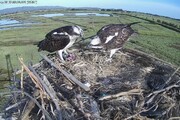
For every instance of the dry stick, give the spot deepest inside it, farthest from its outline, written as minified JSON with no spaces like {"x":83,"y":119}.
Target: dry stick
{"x":33,"y":77}
{"x":130,"y":92}
{"x":162,"y":90}
{"x":22,"y":71}
{"x":172,"y":75}
{"x":71,"y":102}
{"x":15,"y":105}
{"x":51,"y":92}
{"x":43,"y":106}
{"x":169,"y":87}
{"x":80,"y":103}
{"x":174,"y":118}
{"x":29,"y":107}
{"x":53,"y":96}
{"x":68,"y":75}
{"x":79,"y":111}
{"x":52,"y":111}
{"x":33,"y":99}
{"x":132,"y":116}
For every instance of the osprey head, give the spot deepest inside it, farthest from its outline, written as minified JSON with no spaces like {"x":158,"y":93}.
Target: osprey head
{"x":78,"y":31}
{"x":95,"y":40}
{"x":95,"y":43}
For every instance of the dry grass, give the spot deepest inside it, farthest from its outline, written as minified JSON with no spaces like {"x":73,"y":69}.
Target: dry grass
{"x":131,"y":86}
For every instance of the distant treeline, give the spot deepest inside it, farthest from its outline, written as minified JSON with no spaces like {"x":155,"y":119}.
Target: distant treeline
{"x":165,"y":24}
{"x":170,"y":24}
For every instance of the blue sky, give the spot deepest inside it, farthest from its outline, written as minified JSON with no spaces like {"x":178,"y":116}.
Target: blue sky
{"x":169,"y":8}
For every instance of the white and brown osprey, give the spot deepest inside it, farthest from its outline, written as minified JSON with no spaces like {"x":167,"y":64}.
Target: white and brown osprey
{"x":60,"y":39}
{"x":112,"y":37}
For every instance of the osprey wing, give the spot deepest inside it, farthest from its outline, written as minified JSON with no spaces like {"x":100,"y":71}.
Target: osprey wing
{"x":108,"y":32}
{"x":54,"y":42}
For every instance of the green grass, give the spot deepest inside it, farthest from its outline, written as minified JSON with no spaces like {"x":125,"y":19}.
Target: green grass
{"x":153,"y":38}
{"x":28,"y":52}
{"x":160,"y":46}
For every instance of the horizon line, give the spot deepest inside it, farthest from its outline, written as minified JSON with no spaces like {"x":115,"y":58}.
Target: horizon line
{"x":93,"y":8}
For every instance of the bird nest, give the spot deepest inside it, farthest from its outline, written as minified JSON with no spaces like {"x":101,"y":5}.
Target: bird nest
{"x":132,"y":86}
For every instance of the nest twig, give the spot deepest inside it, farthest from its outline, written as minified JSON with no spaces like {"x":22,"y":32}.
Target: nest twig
{"x":132,"y":86}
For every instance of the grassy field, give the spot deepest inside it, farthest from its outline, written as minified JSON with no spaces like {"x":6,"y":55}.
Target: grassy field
{"x":153,"y":38}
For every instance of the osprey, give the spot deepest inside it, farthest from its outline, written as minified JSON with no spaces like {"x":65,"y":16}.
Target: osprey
{"x":112,"y":37}
{"x":60,"y":39}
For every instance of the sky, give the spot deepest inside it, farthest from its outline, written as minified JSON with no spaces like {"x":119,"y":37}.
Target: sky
{"x":170,"y":8}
